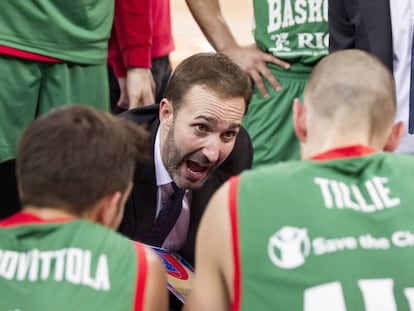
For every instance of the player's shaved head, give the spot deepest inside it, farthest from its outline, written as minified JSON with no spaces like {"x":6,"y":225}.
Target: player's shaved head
{"x":352,"y":91}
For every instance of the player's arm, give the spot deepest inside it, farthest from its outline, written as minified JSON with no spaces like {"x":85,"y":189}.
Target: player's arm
{"x":155,"y":293}
{"x":133,"y":32}
{"x":212,"y":285}
{"x":209,"y":17}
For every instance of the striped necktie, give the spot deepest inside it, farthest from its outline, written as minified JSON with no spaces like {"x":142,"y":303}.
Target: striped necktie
{"x":167,"y":217}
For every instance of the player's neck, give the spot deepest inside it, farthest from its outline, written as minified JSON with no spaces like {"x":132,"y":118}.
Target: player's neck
{"x":324,"y":146}
{"x":45,"y":212}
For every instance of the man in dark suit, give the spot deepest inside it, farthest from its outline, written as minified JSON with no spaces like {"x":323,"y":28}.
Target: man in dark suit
{"x":364,"y":25}
{"x":383,"y":28}
{"x":196,"y":142}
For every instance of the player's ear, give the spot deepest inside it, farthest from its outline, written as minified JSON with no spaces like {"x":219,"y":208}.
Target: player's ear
{"x":166,"y":112}
{"x":299,"y":120}
{"x":394,"y":137}
{"x":108,"y":209}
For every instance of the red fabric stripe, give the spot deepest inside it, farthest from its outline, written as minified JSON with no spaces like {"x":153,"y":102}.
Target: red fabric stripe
{"x":234,"y":184}
{"x":24,"y":218}
{"x":344,"y":152}
{"x":141,"y":277}
{"x":26,"y":55}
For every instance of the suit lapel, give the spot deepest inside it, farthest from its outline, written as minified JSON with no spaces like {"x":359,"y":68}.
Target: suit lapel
{"x":147,"y":185}
{"x":142,"y":204}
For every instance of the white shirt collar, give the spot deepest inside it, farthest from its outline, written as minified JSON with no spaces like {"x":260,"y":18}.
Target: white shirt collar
{"x":178,"y":235}
{"x":161,"y":173}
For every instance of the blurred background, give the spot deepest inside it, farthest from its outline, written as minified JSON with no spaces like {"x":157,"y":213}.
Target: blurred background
{"x":188,"y":37}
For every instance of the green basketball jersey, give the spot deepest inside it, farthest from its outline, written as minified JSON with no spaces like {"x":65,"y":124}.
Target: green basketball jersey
{"x":292,"y":30}
{"x":326,"y":235}
{"x":74,"y":31}
{"x":72,"y":265}
{"x":295,"y":31}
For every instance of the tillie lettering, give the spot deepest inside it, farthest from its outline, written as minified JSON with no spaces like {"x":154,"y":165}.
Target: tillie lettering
{"x":340,"y":195}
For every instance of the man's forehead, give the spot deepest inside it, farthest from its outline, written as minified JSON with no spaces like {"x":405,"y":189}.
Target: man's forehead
{"x":215,"y":110}
{"x":200,"y":97}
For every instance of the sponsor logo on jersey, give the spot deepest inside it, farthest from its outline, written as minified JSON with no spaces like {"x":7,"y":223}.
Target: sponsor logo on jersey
{"x":285,"y":14}
{"x":290,"y":247}
{"x":288,"y":13}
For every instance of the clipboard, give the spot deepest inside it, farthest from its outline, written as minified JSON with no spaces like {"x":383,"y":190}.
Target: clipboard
{"x":180,"y":273}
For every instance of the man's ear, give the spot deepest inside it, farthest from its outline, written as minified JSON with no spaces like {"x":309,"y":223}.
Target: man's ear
{"x":166,"y":112}
{"x":108,"y":209}
{"x":394,"y":137}
{"x":299,"y":120}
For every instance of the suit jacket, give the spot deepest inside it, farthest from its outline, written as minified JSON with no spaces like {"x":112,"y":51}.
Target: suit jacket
{"x":141,"y":206}
{"x":361,"y":24}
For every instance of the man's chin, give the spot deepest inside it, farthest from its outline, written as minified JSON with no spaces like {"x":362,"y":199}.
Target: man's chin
{"x":190,"y":183}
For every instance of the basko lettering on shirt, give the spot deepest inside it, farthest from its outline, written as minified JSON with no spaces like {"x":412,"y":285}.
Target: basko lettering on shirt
{"x":72,"y":265}
{"x":374,"y":196}
{"x":287,"y":13}
{"x":284,"y":14}
{"x":289,"y":247}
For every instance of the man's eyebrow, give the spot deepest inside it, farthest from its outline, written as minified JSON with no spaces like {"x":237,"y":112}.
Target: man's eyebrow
{"x":214,"y":122}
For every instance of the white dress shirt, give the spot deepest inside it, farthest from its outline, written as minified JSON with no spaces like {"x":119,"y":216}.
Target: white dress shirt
{"x":402,"y":21}
{"x":176,"y":238}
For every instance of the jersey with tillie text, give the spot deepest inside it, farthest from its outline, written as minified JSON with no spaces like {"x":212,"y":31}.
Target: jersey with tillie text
{"x":330,"y":235}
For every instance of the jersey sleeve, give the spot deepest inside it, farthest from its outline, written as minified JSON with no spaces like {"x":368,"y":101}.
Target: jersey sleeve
{"x":142,"y":267}
{"x":130,"y":45}
{"x":232,"y":204}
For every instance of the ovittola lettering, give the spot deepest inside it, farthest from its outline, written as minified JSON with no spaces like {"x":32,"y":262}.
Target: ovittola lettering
{"x":72,"y":265}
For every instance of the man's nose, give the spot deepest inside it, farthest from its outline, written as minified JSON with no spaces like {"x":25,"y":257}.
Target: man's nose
{"x":211,"y":150}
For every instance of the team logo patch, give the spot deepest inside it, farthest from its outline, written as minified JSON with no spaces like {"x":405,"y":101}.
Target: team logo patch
{"x":289,"y":247}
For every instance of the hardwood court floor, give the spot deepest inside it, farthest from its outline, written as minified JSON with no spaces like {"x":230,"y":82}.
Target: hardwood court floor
{"x":188,"y":37}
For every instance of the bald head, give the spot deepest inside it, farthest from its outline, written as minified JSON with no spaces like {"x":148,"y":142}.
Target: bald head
{"x":351,"y":92}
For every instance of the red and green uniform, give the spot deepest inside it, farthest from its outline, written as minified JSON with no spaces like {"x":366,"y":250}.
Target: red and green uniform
{"x":52,"y":53}
{"x":68,"y":265}
{"x":72,"y":31}
{"x":296,"y":32}
{"x":334,"y":233}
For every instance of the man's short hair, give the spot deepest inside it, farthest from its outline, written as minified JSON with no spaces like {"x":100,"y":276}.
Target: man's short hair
{"x":215,"y":71}
{"x":74,"y":155}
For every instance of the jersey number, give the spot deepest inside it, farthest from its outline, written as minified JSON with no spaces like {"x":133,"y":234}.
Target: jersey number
{"x":378,"y":295}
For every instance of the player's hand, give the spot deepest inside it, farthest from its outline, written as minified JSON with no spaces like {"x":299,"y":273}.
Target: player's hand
{"x":251,"y":59}
{"x":140,"y":87}
{"x":123,"y":100}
